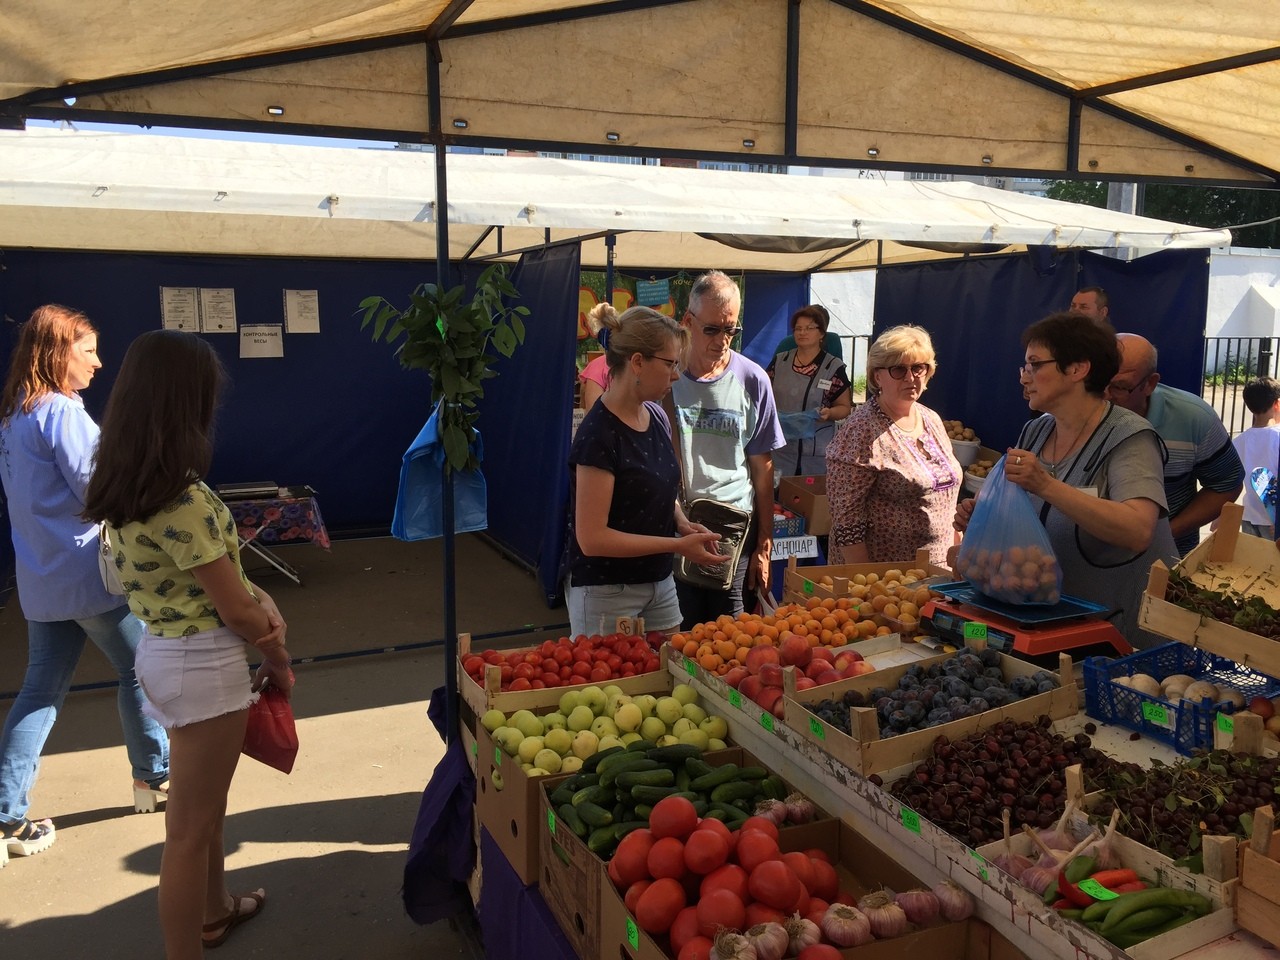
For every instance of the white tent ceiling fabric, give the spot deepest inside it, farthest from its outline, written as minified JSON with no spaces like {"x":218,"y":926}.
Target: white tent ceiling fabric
{"x":113,"y":191}
{"x":1177,"y":89}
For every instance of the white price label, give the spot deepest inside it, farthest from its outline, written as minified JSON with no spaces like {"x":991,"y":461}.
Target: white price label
{"x":795,"y":547}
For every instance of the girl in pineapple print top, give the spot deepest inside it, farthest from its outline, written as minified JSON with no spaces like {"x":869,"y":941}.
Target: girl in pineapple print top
{"x":176,"y":549}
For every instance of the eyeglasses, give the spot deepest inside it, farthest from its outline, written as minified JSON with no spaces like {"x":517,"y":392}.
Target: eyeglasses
{"x":671,"y":364}
{"x":714,"y":331}
{"x":1117,"y":388}
{"x":1031,"y":366}
{"x":799,"y":329}
{"x":899,"y":371}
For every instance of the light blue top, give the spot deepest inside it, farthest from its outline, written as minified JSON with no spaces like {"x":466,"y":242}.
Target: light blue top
{"x":46,"y":459}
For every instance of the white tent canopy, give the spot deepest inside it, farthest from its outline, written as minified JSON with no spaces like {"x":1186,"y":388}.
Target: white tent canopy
{"x":1176,"y":89}
{"x":110,"y":191}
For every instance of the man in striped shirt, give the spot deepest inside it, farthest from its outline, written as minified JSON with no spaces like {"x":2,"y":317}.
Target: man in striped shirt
{"x":1202,"y":471}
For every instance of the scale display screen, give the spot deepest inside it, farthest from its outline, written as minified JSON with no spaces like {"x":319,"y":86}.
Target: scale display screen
{"x":954,"y":628}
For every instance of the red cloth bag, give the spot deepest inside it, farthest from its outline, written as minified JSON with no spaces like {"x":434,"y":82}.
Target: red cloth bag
{"x":270,"y":735}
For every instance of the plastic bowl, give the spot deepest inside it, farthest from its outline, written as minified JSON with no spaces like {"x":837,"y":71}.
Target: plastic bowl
{"x":966,"y":451}
{"x":973,"y":483}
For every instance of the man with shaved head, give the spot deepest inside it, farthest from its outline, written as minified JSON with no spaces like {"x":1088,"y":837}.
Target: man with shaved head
{"x":1202,"y":471}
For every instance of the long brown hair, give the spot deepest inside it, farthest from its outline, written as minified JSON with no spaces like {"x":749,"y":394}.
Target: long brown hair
{"x":157,"y":431}
{"x":41,"y":357}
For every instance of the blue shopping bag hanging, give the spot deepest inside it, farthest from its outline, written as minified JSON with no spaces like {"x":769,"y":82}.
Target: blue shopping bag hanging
{"x":420,"y":499}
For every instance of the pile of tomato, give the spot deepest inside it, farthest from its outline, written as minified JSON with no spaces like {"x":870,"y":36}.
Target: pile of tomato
{"x":564,"y":662}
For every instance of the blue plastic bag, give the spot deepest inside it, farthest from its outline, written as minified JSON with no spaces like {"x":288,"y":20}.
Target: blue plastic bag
{"x":1006,"y":553}
{"x":420,"y":499}
{"x":802,"y":425}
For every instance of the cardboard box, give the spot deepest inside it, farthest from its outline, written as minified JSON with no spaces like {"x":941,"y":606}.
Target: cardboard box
{"x":1228,"y":559}
{"x":862,"y":867}
{"x":865,"y":753}
{"x":807,"y":496}
{"x":800,"y":583}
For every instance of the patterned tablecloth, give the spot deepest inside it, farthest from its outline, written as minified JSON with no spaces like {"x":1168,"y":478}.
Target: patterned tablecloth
{"x":277,"y":520}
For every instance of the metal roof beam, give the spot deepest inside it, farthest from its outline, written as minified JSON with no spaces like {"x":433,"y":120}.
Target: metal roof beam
{"x":1250,"y":59}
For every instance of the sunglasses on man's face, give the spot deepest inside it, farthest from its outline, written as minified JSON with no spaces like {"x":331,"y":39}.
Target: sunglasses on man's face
{"x":710,"y":330}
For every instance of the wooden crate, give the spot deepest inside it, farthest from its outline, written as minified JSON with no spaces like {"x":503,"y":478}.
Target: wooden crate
{"x":1258,"y":899}
{"x":479,"y":700}
{"x":1250,"y":565}
{"x":801,"y":583}
{"x":865,"y":753}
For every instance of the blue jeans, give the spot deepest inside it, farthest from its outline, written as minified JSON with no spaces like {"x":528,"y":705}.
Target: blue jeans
{"x":53,"y":651}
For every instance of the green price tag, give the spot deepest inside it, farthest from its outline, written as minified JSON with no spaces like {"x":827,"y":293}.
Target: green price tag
{"x":975,"y":631}
{"x":497,"y":756}
{"x":475,"y":748}
{"x":690,"y":668}
{"x":1226,"y":723}
{"x":817,"y":729}
{"x":1096,"y":890}
{"x":766,"y":721}
{"x":982,"y":864}
{"x":808,"y":586}
{"x":735,"y":699}
{"x":551,"y":822}
{"x":1156,"y":713}
{"x":633,"y":934}
{"x":910,"y":819}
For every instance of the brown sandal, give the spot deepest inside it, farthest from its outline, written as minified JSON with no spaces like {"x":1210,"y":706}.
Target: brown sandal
{"x":234,"y":918}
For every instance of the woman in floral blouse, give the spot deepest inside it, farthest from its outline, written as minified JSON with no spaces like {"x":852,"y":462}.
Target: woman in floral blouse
{"x":892,"y":479}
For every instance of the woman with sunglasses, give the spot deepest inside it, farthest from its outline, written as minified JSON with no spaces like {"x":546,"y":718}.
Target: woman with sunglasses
{"x":626,"y":523}
{"x":1093,"y":469}
{"x":892,"y":480}
{"x":811,"y":390}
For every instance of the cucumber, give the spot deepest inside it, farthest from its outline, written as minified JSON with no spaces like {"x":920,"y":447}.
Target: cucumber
{"x":661,"y":777}
{"x":752,"y":773}
{"x":731,"y":816}
{"x":563,"y":793}
{"x":621,"y":760}
{"x":601,"y":841}
{"x":682,"y":777}
{"x":647,"y":793}
{"x":620,"y":830}
{"x":736,"y":790}
{"x":719,"y":775}
{"x":674,"y":754}
{"x":697,"y":767}
{"x":594,"y":815}
{"x":641,"y":746}
{"x":597,"y":795}
{"x":629,"y":765}
{"x":700,"y":807}
{"x":589,"y":765}
{"x":773,"y":788}
{"x":643,"y":810}
{"x":569,"y":816}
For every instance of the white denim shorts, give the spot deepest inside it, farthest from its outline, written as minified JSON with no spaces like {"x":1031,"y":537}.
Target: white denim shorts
{"x":596,"y":608}
{"x":194,"y":678}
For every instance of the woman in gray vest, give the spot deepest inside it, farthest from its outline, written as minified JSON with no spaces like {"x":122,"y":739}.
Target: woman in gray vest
{"x":811,"y":390}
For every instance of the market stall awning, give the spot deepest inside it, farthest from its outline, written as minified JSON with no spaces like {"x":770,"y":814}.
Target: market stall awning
{"x":112,"y":191}
{"x":1176,"y":89}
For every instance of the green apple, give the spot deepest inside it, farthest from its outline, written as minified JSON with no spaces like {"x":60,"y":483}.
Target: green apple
{"x":668,"y":710}
{"x":682,"y":725}
{"x":714,"y":727}
{"x":646,"y":702}
{"x":526,"y":767}
{"x":608,"y":743}
{"x":568,"y":700}
{"x":527,"y":723}
{"x":668,"y":741}
{"x":508,"y":738}
{"x":496,"y":779}
{"x":695,"y":737}
{"x":628,"y":718}
{"x":536,"y":772}
{"x":615,"y":701}
{"x":604,"y":727}
{"x":612,"y":689}
{"x":553,"y":721}
{"x":715,"y":743}
{"x":585,"y":744}
{"x":651,"y":729}
{"x":548,"y":761}
{"x":570,"y":764}
{"x":695,"y":713}
{"x":493,"y":719}
{"x":684,"y":693}
{"x":594,"y":698}
{"x":559,"y":740}
{"x":529,"y":748}
{"x":581,"y":718}
{"x":628,"y":739}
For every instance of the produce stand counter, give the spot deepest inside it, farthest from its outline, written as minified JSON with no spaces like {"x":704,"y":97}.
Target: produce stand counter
{"x":923,"y":849}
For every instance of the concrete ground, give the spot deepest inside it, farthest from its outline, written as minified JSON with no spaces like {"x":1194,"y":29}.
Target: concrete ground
{"x":328,"y":842}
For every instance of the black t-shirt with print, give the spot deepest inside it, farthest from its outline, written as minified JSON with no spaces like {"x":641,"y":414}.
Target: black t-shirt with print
{"x":646,"y":480}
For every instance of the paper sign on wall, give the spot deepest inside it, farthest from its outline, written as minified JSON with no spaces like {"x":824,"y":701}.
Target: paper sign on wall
{"x":218,"y":309}
{"x":302,"y":311}
{"x":179,"y":309}
{"x":261,"y":340}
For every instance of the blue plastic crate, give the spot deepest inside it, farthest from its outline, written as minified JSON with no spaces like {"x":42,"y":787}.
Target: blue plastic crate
{"x":788,"y":526}
{"x":1184,"y":725}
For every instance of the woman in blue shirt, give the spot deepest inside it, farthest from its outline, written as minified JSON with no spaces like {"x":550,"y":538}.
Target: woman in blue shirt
{"x":47,"y":445}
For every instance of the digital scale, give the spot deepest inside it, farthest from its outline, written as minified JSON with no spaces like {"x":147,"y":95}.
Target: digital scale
{"x":1071,"y":625}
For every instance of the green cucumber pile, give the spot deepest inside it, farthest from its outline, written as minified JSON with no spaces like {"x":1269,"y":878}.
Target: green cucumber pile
{"x":616,"y":790}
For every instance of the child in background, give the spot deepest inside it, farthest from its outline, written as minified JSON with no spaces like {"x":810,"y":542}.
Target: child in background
{"x":1259,"y":446}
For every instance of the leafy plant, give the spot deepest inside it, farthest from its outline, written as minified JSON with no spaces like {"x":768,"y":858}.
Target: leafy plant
{"x":449,"y":336}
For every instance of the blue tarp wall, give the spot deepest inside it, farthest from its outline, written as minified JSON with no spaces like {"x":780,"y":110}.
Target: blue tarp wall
{"x":976,"y":310}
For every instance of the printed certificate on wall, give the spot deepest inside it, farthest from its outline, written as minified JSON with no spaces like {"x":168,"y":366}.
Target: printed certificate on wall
{"x":302,"y":311}
{"x":218,"y":309}
{"x":179,"y":309}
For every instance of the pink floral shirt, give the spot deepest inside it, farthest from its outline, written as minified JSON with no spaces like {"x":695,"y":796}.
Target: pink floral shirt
{"x":890,"y":492}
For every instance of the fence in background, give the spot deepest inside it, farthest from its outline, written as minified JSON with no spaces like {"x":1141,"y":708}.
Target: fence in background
{"x":1230,"y":363}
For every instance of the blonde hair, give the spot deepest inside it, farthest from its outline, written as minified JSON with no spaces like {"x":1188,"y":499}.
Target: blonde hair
{"x":42,"y":356}
{"x":636,"y":330}
{"x":894,"y":344}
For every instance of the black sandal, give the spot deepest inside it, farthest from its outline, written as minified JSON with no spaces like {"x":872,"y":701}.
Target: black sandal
{"x":25,"y":838}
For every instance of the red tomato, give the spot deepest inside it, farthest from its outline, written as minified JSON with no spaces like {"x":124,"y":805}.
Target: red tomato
{"x":615,"y":662}
{"x":632,"y":856}
{"x":533,"y":656}
{"x":473,"y":664}
{"x":673,"y":817}
{"x":580,"y":638}
{"x":600,"y":655}
{"x":684,"y":929}
{"x":493,"y":656}
{"x":704,"y":851}
{"x":650,"y":664}
{"x":600,"y":673}
{"x":754,"y":848}
{"x":582,"y":654}
{"x":699,"y":948}
{"x":819,"y":951}
{"x":582,"y":669}
{"x":563,"y":655}
{"x":546,"y":664}
{"x":659,"y":905}
{"x":547,"y":648}
{"x":729,"y":877}
{"x":773,"y":883}
{"x":763,"y":913}
{"x":537,"y":684}
{"x":720,"y":908}
{"x":566,"y":672}
{"x":716,"y":826}
{"x":633,"y":894}
{"x":826,"y":883}
{"x":525,"y":670}
{"x":506,"y":672}
{"x":550,"y":679}
{"x":666,"y":858}
{"x":520,"y":683}
{"x":760,"y":823}
{"x":817,"y":853}
{"x":628,"y":670}
{"x":817,"y":910}
{"x":612,"y":871}
{"x":802,"y":867}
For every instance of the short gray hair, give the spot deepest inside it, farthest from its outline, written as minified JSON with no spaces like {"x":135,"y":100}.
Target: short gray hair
{"x":716,"y":286}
